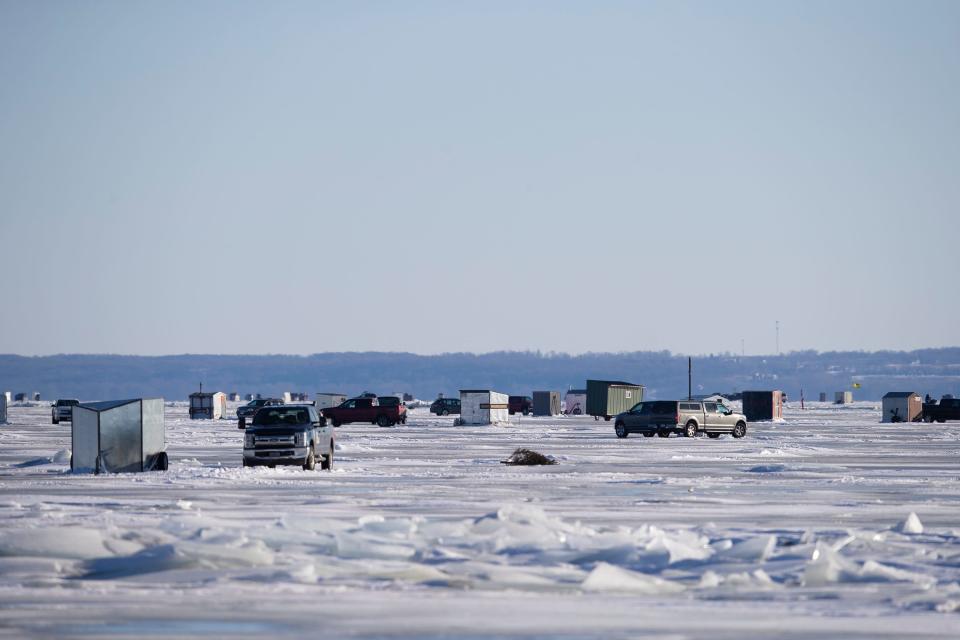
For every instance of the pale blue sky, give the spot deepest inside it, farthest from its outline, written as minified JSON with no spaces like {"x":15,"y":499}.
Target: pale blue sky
{"x":441,"y":176}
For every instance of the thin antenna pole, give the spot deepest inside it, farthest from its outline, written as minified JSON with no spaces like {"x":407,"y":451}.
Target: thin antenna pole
{"x":689,"y":378}
{"x":778,"y":337}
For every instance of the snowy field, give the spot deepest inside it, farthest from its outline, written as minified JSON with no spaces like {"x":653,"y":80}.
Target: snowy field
{"x":799,"y":530}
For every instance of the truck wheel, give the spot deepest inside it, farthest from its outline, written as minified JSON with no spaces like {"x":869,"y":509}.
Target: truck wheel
{"x":607,"y":418}
{"x":327,"y":463}
{"x":690,"y":430}
{"x":648,"y":434}
{"x":336,"y":423}
{"x":663,"y":433}
{"x":445,"y":413}
{"x":740,"y":430}
{"x":928,"y":418}
{"x":620,"y":430}
{"x":247,"y":463}
{"x":941,"y":420}
{"x":384,"y":421}
{"x":311,"y":462}
{"x":163,"y":462}
{"x":713,"y":435}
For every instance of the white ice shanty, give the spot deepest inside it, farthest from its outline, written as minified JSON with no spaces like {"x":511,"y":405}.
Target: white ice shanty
{"x":575,"y":402}
{"x":208,"y":406}
{"x":323,"y":399}
{"x":483,"y":406}
{"x":118,"y":436}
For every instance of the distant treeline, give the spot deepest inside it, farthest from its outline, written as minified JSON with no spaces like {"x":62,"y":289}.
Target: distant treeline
{"x":89,"y":377}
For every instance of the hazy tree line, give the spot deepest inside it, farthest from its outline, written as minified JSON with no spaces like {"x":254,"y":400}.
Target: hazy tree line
{"x":934,"y":371}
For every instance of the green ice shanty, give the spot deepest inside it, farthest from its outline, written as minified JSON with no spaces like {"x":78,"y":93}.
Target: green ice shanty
{"x":607,"y":398}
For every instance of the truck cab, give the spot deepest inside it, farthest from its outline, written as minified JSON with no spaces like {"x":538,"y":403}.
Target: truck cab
{"x":947,"y":409}
{"x":288,"y":435}
{"x":62,"y":410}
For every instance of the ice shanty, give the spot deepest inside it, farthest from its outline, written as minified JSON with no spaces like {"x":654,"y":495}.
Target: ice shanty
{"x":546,"y":403}
{"x":575,"y":402}
{"x":763,"y":405}
{"x":208,"y":406}
{"x":322,"y":400}
{"x":607,"y":398}
{"x":902,"y":406}
{"x":843,"y":397}
{"x":3,"y":409}
{"x":482,"y":406}
{"x":118,"y":436}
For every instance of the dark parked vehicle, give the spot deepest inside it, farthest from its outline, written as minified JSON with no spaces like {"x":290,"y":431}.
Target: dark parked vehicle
{"x":250,"y":409}
{"x":62,"y":411}
{"x":946,"y":409}
{"x":520,"y":404}
{"x":445,"y":406}
{"x":688,"y":417}
{"x":292,"y":434}
{"x":366,"y":410}
{"x":394,"y":401}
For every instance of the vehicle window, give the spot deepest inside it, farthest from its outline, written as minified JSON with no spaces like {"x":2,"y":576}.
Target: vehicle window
{"x":710,"y":407}
{"x":722,"y":408}
{"x":646,"y":409}
{"x":663,"y":408}
{"x":349,"y":404}
{"x":270,"y":417}
{"x":364,"y":402}
{"x":313,"y":414}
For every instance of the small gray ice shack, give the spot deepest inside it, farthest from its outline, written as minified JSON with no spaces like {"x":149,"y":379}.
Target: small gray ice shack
{"x":3,"y":408}
{"x":607,"y":398}
{"x":118,"y":436}
{"x":546,"y":403}
{"x":843,"y":397}
{"x":902,"y":406}
{"x":762,"y":405}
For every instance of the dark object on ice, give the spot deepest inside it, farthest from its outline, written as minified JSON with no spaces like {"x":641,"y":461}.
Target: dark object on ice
{"x":524,"y":456}
{"x":763,"y":405}
{"x":946,"y":409}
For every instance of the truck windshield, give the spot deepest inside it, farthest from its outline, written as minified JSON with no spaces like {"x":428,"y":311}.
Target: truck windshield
{"x":278,"y":416}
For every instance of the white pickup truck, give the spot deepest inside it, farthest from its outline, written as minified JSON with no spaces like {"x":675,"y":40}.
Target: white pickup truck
{"x":62,"y":410}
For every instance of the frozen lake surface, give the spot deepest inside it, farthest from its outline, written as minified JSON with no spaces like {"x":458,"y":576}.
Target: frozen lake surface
{"x":801,"y":529}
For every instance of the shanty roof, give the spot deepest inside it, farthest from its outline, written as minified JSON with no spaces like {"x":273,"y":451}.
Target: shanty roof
{"x":106,"y":405}
{"x":581,"y":392}
{"x":901,"y":394}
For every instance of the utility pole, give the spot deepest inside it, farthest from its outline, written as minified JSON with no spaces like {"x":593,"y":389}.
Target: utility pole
{"x":689,"y":378}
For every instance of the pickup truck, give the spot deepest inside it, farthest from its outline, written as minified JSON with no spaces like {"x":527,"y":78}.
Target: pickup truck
{"x":687,"y":417}
{"x":292,"y":434}
{"x":366,"y":409}
{"x":394,"y":401}
{"x":62,"y":410}
{"x":946,"y":409}
{"x":520,"y":404}
{"x":250,"y":409}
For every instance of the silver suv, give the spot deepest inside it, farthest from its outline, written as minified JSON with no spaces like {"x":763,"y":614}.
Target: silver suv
{"x":688,"y":417}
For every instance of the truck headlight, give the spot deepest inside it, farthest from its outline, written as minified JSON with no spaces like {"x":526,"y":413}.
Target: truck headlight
{"x":248,"y":441}
{"x":300,"y":439}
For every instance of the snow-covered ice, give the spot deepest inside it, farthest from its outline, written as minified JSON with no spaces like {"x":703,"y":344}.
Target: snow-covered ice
{"x":827,"y":524}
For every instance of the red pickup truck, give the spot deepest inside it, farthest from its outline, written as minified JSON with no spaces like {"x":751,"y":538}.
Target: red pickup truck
{"x":366,"y":410}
